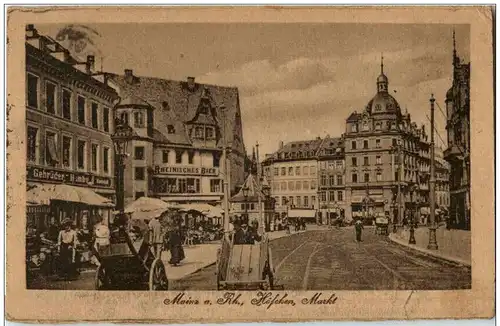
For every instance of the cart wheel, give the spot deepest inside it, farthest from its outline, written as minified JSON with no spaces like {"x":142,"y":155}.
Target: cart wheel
{"x":101,"y":278}
{"x":157,"y":276}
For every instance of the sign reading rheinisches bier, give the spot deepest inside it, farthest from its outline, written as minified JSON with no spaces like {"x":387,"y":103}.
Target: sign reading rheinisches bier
{"x":186,"y":170}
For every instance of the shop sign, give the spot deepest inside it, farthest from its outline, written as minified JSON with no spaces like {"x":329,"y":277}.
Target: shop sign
{"x":186,"y":170}
{"x":74,"y":178}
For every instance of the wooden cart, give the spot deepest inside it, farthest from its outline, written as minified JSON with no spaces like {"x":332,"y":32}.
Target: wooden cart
{"x":125,"y":264}
{"x":245,"y":266}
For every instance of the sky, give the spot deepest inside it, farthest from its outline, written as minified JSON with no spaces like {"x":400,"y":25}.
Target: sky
{"x":296,"y":81}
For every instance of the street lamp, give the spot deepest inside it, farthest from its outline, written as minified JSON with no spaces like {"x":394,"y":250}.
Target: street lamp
{"x":245,"y":190}
{"x":412,"y":221}
{"x":123,"y":134}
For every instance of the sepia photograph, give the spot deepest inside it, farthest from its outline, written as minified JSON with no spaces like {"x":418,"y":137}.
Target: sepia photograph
{"x":247,"y":157}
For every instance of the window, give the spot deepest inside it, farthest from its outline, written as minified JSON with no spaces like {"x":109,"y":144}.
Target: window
{"x":216,"y":159}
{"x":198,"y":132}
{"x":50,"y":97}
{"x":66,"y":147}
{"x":365,"y":144}
{"x":190,"y":157}
{"x":209,"y":133}
{"x":313,"y":200}
{"x":354,"y":128}
{"x":377,"y":143}
{"x":105,"y":119}
{"x":283,"y":186}
{"x":297,"y":170}
{"x":178,"y":157}
{"x":331,"y":196}
{"x":283,"y":201}
{"x":51,"y":157}
{"x":298,"y":185}
{"x":313,"y":184}
{"x":81,"y":109}
{"x":95,"y":115}
{"x":306,"y":170}
{"x":291,"y":185}
{"x":138,"y":119}
{"x":276,"y":172}
{"x":140,"y":173}
{"x":394,"y":142}
{"x":215,"y":185}
{"x":139,"y":194}
{"x":138,"y":152}
{"x":306,"y":201}
{"x":366,"y":160}
{"x":105,"y":159}
{"x":365,"y":126}
{"x":338,"y":164}
{"x":353,"y":144}
{"x":305,"y":185}
{"x":312,"y":169}
{"x":290,"y":171}
{"x":354,"y":161}
{"x":66,"y":104}
{"x":331,"y":180}
{"x":340,"y":196}
{"x":379,"y":160}
{"x":81,"y":154}
{"x":379,"y":176}
{"x":339,"y":180}
{"x":378,"y":126}
{"x":297,"y":201}
{"x":283,"y":171}
{"x":367,"y":177}
{"x":322,"y":196}
{"x":32,"y":146}
{"x":95,"y":150}
{"x":354,"y":178}
{"x":323,"y":180}
{"x":170,"y":129}
{"x":164,"y":157}
{"x":124,"y":118}
{"x":32,"y":91}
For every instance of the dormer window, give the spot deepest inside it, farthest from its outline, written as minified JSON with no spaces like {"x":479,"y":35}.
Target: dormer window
{"x":209,"y":133}
{"x":138,"y":119}
{"x":170,"y":129}
{"x":378,"y":107}
{"x":365,"y":126}
{"x":393,"y":126}
{"x":378,"y":126}
{"x":204,"y":108}
{"x":354,"y":128}
{"x":198,"y":132}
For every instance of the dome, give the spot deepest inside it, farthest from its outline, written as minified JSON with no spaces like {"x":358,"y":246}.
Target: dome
{"x":383,"y":103}
{"x":382,"y":78}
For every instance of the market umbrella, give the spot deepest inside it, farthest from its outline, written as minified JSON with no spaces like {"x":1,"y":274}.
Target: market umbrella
{"x":148,"y":208}
{"x":44,"y":194}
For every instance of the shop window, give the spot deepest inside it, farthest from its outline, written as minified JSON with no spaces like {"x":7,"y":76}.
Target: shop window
{"x":366,"y":160}
{"x":365,"y":144}
{"x":140,"y":173}
{"x":105,"y":159}
{"x":81,"y":109}
{"x":340,"y":196}
{"x":139,"y":194}
{"x":66,"y":104}
{"x":354,"y":178}
{"x":354,"y":161}
{"x":66,"y":147}
{"x":353,"y":144}
{"x":50,"y":97}
{"x":105,"y":119}
{"x":367,"y":177}
{"x":33,"y":91}
{"x":339,"y":180}
{"x":82,"y":145}
{"x":178,"y":157}
{"x":164,"y":156}
{"x":139,"y":153}
{"x":95,"y":156}
{"x":51,"y":157}
{"x":32,"y":144}
{"x":215,"y":185}
{"x":95,"y":115}
{"x":190,"y":157}
{"x":138,"y":119}
{"x":216,"y":159}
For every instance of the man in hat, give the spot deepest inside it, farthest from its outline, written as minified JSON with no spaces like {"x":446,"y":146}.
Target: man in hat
{"x":66,"y":243}
{"x":155,"y":235}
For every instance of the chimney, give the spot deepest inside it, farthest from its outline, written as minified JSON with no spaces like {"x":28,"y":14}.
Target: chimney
{"x":190,"y":83}
{"x":281,"y":144}
{"x":89,"y":65}
{"x":30,"y":30}
{"x":129,"y":76}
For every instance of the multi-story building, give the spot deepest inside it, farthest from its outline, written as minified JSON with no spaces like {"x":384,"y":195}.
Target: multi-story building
{"x":385,"y":153}
{"x":181,"y":128}
{"x":442,"y":181}
{"x":69,"y":122}
{"x":292,"y":175}
{"x":458,"y":151}
{"x":331,"y":174}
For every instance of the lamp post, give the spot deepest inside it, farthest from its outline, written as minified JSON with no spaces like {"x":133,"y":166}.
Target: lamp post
{"x":121,"y":137}
{"x":412,"y":221}
{"x":432,"y":182}
{"x":245,"y":194}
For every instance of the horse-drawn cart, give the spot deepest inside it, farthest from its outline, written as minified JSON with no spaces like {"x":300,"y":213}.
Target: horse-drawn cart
{"x":382,"y":225}
{"x":245,"y":266}
{"x":126,"y":264}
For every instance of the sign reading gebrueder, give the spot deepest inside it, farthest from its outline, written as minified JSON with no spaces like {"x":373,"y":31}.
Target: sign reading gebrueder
{"x":186,"y":170}
{"x":76,"y":178}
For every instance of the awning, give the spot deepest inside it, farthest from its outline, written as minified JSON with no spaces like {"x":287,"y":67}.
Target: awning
{"x":198,"y":207}
{"x":43,"y":194}
{"x":302,"y":213}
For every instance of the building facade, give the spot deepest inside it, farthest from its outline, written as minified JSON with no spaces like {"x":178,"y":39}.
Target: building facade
{"x":331,"y":183}
{"x":442,"y":181}
{"x":458,"y":151}
{"x":292,"y":175}
{"x":386,"y":159}
{"x":69,"y":122}
{"x":181,"y":128}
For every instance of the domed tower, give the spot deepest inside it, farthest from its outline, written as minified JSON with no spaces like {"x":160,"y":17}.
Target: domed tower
{"x":382,"y":80}
{"x":383,"y":103}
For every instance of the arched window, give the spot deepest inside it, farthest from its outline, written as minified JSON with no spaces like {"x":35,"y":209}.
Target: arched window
{"x":124,"y":118}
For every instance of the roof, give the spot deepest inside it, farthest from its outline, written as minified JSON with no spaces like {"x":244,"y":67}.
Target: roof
{"x":354,"y":117}
{"x":332,"y":146}
{"x":251,"y":184}
{"x":175,"y":105}
{"x":383,"y":103}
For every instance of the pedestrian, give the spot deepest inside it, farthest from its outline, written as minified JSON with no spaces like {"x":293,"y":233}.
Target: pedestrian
{"x":174,"y":244}
{"x":66,"y":243}
{"x":53,"y":229}
{"x":101,"y":238}
{"x":359,"y":229}
{"x":155,"y":235}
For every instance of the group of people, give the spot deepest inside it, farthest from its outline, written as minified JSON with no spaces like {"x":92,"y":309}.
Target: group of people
{"x":170,"y":239}
{"x":244,"y":233}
